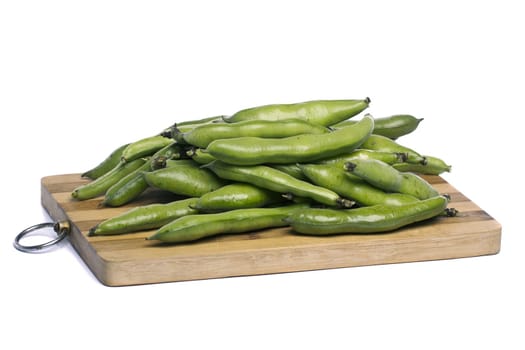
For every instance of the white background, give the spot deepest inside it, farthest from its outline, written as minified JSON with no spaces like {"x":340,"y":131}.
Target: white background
{"x":78,"y":79}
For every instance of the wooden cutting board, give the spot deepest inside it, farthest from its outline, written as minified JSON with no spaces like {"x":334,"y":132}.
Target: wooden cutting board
{"x":129,"y":259}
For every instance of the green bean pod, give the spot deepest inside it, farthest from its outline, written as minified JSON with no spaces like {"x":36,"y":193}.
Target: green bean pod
{"x":290,"y":169}
{"x":106,"y":165}
{"x":134,"y":184}
{"x":392,"y":127}
{"x":397,"y":125}
{"x":177,"y":130}
{"x":277,"y":181}
{"x":172,"y":151}
{"x":186,"y":179}
{"x":127,"y":188}
{"x":387,"y":178}
{"x":193,"y":227}
{"x":145,"y":147}
{"x":384,"y":144}
{"x":177,"y":162}
{"x":145,"y":217}
{"x":203,"y":135}
{"x":373,"y":219}
{"x":433,"y":166}
{"x":188,"y":125}
{"x":387,"y":157}
{"x":163,"y":162}
{"x":100,"y":185}
{"x":199,"y":155}
{"x":321,"y":112}
{"x":337,"y":179}
{"x":236,"y":196}
{"x":294,"y":149}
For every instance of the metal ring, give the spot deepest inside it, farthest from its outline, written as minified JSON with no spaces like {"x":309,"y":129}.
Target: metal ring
{"x":61,"y":228}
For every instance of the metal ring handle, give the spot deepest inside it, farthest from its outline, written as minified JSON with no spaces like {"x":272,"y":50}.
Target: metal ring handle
{"x":61,"y":228}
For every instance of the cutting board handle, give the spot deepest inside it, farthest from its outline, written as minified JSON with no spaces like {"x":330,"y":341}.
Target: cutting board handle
{"x":61,"y":229}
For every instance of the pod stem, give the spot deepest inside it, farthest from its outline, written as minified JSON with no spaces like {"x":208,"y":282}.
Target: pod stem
{"x":167,"y":133}
{"x":402,"y":156}
{"x":171,"y":132}
{"x":349,"y":166}
{"x":191,"y":152}
{"x":289,"y":196}
{"x":159,"y":163}
{"x":176,"y":134}
{"x":92,"y":230}
{"x":451,"y":212}
{"x":345,"y":203}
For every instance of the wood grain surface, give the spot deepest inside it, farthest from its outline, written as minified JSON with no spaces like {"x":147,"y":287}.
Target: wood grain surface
{"x":129,"y":259}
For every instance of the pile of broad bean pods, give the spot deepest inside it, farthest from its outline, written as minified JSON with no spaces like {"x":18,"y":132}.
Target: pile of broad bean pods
{"x":311,"y":166}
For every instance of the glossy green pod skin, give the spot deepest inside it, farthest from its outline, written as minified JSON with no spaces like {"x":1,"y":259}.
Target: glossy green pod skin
{"x":145,"y":147}
{"x":180,"y":162}
{"x":203,"y":135}
{"x":433,"y":166}
{"x":127,"y":188}
{"x":107,"y":164}
{"x":294,"y":149}
{"x":387,"y":157}
{"x":200,"y":156}
{"x":290,"y":169}
{"x":198,"y":122}
{"x":145,"y":217}
{"x":397,"y":125}
{"x":320,"y":112}
{"x":384,"y":144}
{"x":176,"y":130}
{"x":387,"y":178}
{"x":162,"y":162}
{"x":277,"y":181}
{"x":172,"y":151}
{"x":100,"y":185}
{"x":337,"y":179}
{"x":184,"y":179}
{"x":236,"y":196}
{"x":373,"y":219}
{"x":133,"y":184}
{"x":392,"y":127}
{"x":193,"y":227}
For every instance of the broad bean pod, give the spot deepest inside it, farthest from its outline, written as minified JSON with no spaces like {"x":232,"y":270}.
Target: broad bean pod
{"x":277,"y":181}
{"x":203,"y":135}
{"x":293,"y":149}
{"x":100,"y":185}
{"x":145,"y":217}
{"x":321,"y":112}
{"x":193,"y":227}
{"x":236,"y":196}
{"x":384,"y":144}
{"x":183,"y":178}
{"x":107,"y":164}
{"x":387,"y":157}
{"x":392,"y":127}
{"x":387,"y":178}
{"x":337,"y":179}
{"x":145,"y":147}
{"x":433,"y":166}
{"x":199,"y":155}
{"x":132,"y":185}
{"x":372,"y":219}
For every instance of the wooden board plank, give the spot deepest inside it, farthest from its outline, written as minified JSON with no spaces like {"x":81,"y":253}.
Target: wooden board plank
{"x":129,"y":259}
